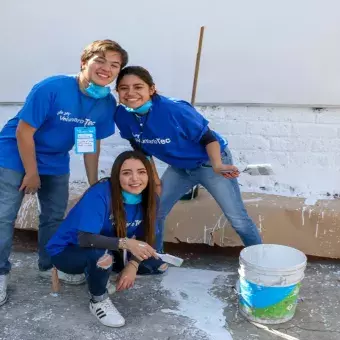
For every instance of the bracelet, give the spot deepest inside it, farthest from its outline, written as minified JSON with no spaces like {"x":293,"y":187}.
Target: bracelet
{"x":122,"y":243}
{"x":133,"y":264}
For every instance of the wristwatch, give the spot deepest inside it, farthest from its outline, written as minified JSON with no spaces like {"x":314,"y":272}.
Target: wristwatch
{"x":122,"y":243}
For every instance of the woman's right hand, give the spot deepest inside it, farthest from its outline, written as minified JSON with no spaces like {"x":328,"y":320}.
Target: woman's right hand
{"x":140,"y":249}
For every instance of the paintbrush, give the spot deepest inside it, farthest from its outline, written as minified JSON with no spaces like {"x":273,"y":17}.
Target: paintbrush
{"x":174,"y":260}
{"x":256,"y":170}
{"x":259,"y":170}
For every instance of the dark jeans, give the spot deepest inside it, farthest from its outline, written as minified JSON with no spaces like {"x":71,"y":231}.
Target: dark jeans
{"x":53,"y":197}
{"x":77,"y":260}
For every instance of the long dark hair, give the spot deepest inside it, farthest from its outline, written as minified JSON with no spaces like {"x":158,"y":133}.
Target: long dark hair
{"x":148,"y":197}
{"x":137,"y":71}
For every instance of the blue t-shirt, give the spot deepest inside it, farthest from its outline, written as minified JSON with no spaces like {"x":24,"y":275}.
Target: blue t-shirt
{"x":92,"y":214}
{"x":55,"y":106}
{"x":171,"y":132}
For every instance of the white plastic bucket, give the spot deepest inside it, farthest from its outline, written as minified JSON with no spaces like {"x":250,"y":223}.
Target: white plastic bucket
{"x":270,"y":277}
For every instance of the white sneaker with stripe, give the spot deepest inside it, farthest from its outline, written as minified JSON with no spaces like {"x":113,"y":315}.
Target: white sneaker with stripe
{"x":107,"y":313}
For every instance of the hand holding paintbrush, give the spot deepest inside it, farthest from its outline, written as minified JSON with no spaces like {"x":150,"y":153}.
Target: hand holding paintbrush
{"x":231,"y":171}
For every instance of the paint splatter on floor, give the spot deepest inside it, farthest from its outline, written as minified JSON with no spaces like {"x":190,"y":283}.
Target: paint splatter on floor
{"x":191,"y":288}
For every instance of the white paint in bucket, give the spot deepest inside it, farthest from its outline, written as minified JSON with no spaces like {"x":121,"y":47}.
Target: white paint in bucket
{"x":270,"y":279}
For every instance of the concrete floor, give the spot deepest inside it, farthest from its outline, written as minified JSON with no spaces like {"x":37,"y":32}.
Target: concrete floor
{"x":194,"y":302}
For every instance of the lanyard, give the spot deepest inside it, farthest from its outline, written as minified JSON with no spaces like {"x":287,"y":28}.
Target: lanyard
{"x":142,"y":120}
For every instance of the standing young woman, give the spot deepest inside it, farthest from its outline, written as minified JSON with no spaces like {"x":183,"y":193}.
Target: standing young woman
{"x":116,"y":213}
{"x":174,"y":132}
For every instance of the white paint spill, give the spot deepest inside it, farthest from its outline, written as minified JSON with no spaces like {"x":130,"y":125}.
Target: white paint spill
{"x":311,"y":200}
{"x":250,"y":200}
{"x":191,"y":289}
{"x":274,"y":331}
{"x":260,"y":223}
{"x":205,"y":235}
{"x":317,"y":230}
{"x":28,"y":213}
{"x":222,"y":237}
{"x":38,"y":203}
{"x":310,"y":212}
{"x":209,"y":232}
{"x":303,"y":215}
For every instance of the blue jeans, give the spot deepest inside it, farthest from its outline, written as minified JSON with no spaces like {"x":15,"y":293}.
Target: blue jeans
{"x":176,"y":182}
{"x":53,"y":197}
{"x":77,"y":260}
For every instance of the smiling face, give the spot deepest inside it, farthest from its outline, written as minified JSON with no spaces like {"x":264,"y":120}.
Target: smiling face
{"x":133,"y":91}
{"x":102,"y":69}
{"x":133,"y":176}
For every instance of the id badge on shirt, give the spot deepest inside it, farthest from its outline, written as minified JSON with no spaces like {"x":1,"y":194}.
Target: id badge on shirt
{"x":85,"y":139}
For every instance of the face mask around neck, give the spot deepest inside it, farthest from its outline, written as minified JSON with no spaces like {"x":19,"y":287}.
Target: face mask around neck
{"x":129,"y":198}
{"x":141,"y":110}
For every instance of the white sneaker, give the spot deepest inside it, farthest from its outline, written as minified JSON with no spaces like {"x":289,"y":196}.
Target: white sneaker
{"x":107,"y":313}
{"x":76,"y":279}
{"x":3,"y":288}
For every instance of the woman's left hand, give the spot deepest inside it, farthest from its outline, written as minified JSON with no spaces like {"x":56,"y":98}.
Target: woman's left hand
{"x":227,"y":171}
{"x":126,"y":278}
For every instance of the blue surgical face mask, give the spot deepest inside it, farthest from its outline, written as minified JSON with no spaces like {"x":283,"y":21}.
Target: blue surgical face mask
{"x":142,"y":110}
{"x":129,"y":198}
{"x":97,"y":91}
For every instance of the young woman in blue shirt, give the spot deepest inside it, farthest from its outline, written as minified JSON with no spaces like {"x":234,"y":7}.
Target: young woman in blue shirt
{"x":175,"y":133}
{"x":115,"y":216}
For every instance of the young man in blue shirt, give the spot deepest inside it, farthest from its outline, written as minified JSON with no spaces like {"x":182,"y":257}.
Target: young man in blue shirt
{"x":59,"y":112}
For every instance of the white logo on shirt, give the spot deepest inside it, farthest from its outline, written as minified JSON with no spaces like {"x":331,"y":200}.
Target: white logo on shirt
{"x":134,"y":223}
{"x":136,"y":136}
{"x":67,"y":117}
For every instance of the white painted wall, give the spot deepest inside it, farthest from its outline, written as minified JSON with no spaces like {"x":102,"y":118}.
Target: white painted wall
{"x":302,"y":144}
{"x":263,"y":51}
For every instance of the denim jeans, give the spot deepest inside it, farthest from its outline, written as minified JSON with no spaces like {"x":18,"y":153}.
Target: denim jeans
{"x":78,"y":260}
{"x":53,"y":197}
{"x":176,"y":182}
